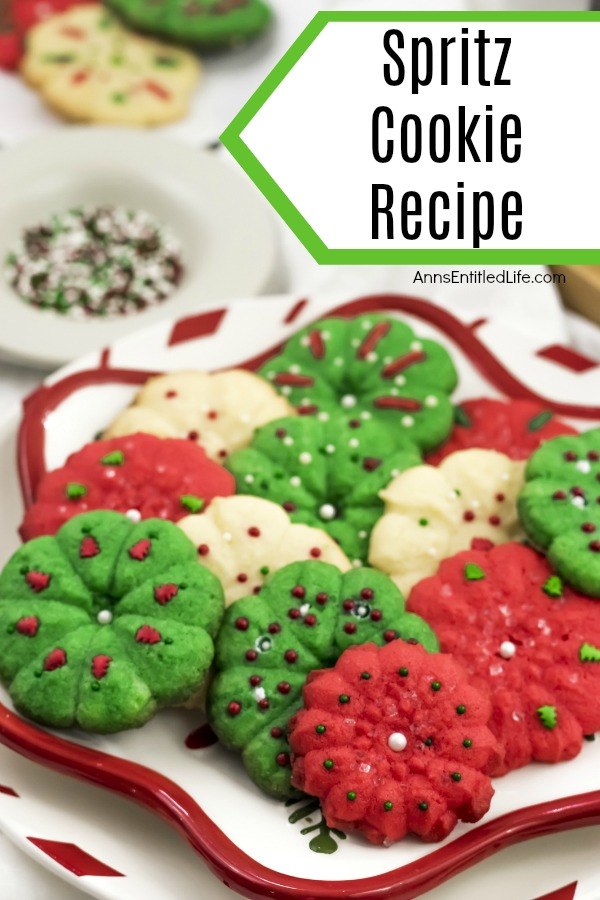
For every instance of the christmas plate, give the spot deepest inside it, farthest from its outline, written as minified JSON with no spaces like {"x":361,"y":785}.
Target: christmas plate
{"x":172,"y":767}
{"x":222,"y":226}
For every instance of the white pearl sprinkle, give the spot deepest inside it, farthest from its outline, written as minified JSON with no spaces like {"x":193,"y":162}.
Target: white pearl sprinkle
{"x":338,"y":361}
{"x":355,"y":342}
{"x":259,"y":694}
{"x":249,"y":479}
{"x":579,"y":502}
{"x":371,"y":357}
{"x":325,"y":335}
{"x":507,"y":649}
{"x":365,"y":414}
{"x":327,"y":512}
{"x":362,"y":535}
{"x":357,"y":563}
{"x":431,"y":401}
{"x":288,"y":441}
{"x":397,"y":742}
{"x":354,"y":443}
{"x":416,"y":345}
{"x":304,"y":341}
{"x":134,"y":515}
{"x":400,"y":380}
{"x":583,"y":466}
{"x":407,"y":421}
{"x":348,"y":401}
{"x":104,"y":617}
{"x":286,"y":390}
{"x":395,"y":473}
{"x":323,"y":417}
{"x":330,"y":449}
{"x":227,"y":536}
{"x":305,"y":458}
{"x":295,"y":370}
{"x":295,"y":481}
{"x":367,"y":324}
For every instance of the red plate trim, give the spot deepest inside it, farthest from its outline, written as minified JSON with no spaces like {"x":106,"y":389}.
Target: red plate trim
{"x":240,"y":872}
{"x":73,"y":858}
{"x":37,"y":407}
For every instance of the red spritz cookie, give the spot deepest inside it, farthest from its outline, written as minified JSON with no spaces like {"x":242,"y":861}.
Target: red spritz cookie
{"x":514,"y":427}
{"x":394,"y":740}
{"x":140,"y":475}
{"x":528,"y":640}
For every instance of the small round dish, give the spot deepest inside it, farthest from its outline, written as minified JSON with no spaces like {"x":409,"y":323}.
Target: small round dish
{"x":227,"y":239}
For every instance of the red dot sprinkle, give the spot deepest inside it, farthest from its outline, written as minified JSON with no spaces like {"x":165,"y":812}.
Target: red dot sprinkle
{"x":389,"y":636}
{"x":242,"y":623}
{"x":276,"y":732}
{"x":367,"y":593}
{"x":578,"y":492}
{"x":299,"y":592}
{"x":348,"y":605}
{"x":289,"y":506}
{"x":255,"y":680}
{"x":242,"y":578}
{"x":170,"y":394}
{"x":315,"y":552}
{"x":222,"y":454}
{"x":593,"y":456}
{"x":469,"y":515}
{"x":500,"y":498}
{"x":203,"y":550}
{"x":294,"y":614}
{"x":588,"y":527}
{"x":350,"y":628}
{"x":282,"y":759}
{"x":570,"y":456}
{"x":290,"y":656}
{"x":370,"y":463}
{"x":193,"y":435}
{"x":494,"y":520}
{"x":251,"y":655}
{"x":280,"y":432}
{"x":264,"y":703}
{"x":274,"y":628}
{"x":310,"y":620}
{"x":322,"y":599}
{"x":595,"y":546}
{"x":256,"y":589}
{"x":355,"y":423}
{"x":234,"y":708}
{"x":253,"y":531}
{"x":559,"y":495}
{"x":213,"y":414}
{"x":376,"y":615}
{"x":284,"y":687}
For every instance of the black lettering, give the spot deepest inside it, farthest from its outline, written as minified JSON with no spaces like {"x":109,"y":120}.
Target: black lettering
{"x":377,"y":210}
{"x":507,"y":211}
{"x":506,"y":135}
{"x":480,"y":41}
{"x":406,"y":211}
{"x":438,"y":235}
{"x":465,"y":135}
{"x":416,"y":80}
{"x":478,"y":234}
{"x":391,"y":76}
{"x":386,"y":112}
{"x":446,"y":42}
{"x":499,"y":80}
{"x":405,"y":139}
{"x":437,"y":155}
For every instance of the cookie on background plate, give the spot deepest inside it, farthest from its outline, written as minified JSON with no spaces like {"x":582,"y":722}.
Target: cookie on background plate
{"x":219,"y":411}
{"x":433,"y":512}
{"x":526,"y":639}
{"x":325,"y":471}
{"x":514,"y":427}
{"x":243,"y":540}
{"x":89,"y":68}
{"x":373,"y":365}
{"x":306,"y":615}
{"x":560,"y":507}
{"x":393,"y":740}
{"x":207,"y":24}
{"x":106,"y":623}
{"x":140,"y":475}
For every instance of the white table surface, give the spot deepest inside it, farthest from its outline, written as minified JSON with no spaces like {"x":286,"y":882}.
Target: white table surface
{"x":228,"y":83}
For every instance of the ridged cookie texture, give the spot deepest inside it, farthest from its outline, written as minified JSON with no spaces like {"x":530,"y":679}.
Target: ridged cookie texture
{"x":306,"y":615}
{"x":107,"y":622}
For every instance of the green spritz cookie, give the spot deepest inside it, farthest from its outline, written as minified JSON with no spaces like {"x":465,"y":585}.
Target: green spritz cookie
{"x":369,"y":364}
{"x":560,"y":507}
{"x":107,"y":622}
{"x":201,"y":23}
{"x":326,"y":474}
{"x":306,"y":615}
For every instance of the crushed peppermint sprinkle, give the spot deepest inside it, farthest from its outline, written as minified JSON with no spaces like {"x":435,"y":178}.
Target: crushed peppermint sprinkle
{"x":95,"y":261}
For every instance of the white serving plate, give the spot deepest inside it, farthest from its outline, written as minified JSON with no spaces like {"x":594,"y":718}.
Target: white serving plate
{"x":245,"y":837}
{"x":223,"y":225}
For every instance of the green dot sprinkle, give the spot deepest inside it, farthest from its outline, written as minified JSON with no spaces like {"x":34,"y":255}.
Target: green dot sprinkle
{"x":320,"y":729}
{"x":589,"y":653}
{"x":403,"y":671}
{"x":423,"y":806}
{"x":191,"y":503}
{"x":548,"y":716}
{"x":95,"y":686}
{"x":328,"y":764}
{"x":423,"y":522}
{"x":351,"y":795}
{"x":456,"y":776}
{"x":388,"y":805}
{"x":467,"y":743}
{"x":365,"y":676}
{"x":74,"y":490}
{"x":428,"y":741}
{"x":264,"y":570}
{"x":461,"y":709}
{"x":553,"y":587}
{"x":474,"y":572}
{"x":436,"y":685}
{"x":344,"y":698}
{"x":116,"y":458}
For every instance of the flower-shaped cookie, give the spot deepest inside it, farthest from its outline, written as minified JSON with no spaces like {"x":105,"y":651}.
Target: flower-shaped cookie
{"x":220,"y":412}
{"x":560,"y":507}
{"x":325,"y":473}
{"x":201,"y":23}
{"x":244,"y":539}
{"x":514,"y":427}
{"x":306,"y":615}
{"x":394,"y":740}
{"x":532,"y":643}
{"x":107,"y":622}
{"x":370,"y":364}
{"x":432,"y":513}
{"x":141,"y":475}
